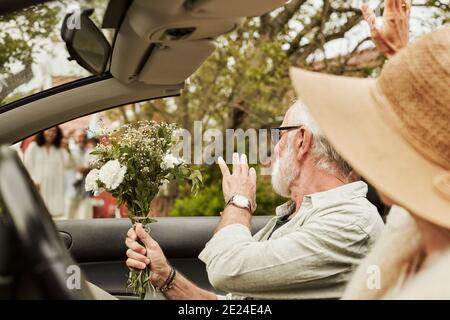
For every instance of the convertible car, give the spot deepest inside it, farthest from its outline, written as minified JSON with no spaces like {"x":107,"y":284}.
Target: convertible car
{"x":154,"y":48}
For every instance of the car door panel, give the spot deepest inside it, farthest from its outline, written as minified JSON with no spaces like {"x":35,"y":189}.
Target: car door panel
{"x":98,"y":246}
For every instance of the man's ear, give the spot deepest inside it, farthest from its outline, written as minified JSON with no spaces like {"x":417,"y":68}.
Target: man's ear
{"x":303,"y":142}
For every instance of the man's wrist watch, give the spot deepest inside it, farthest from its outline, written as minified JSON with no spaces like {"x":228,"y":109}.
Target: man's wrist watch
{"x":241,"y":202}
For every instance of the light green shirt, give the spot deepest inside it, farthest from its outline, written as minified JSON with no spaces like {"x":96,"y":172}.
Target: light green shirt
{"x":310,"y":257}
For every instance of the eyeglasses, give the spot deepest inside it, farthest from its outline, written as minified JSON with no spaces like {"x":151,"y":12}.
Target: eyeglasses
{"x":276,"y":132}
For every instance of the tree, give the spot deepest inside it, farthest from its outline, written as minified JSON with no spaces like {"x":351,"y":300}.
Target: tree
{"x":245,"y":82}
{"x":26,"y":33}
{"x":19,"y":42}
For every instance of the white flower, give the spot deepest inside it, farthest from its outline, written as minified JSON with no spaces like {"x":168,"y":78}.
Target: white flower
{"x":112,"y":174}
{"x":170,"y":161}
{"x":90,"y":183}
{"x":92,"y":159}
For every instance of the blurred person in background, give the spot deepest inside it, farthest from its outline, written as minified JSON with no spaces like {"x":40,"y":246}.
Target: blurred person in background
{"x":79,"y":205}
{"x":18,"y":149}
{"x":46,"y":162}
{"x":69,"y":177}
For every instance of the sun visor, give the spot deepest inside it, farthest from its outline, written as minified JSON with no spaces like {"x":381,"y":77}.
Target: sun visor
{"x":174,"y":62}
{"x":163,"y":42}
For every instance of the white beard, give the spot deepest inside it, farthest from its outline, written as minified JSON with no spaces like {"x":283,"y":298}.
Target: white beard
{"x":283,"y":173}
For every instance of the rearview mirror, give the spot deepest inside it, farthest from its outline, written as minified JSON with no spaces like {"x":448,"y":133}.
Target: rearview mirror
{"x":85,"y":42}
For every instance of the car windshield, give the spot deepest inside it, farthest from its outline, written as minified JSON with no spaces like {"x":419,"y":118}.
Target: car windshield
{"x":33,"y":56}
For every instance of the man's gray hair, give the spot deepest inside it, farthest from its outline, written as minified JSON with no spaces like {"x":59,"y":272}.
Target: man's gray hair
{"x":327,"y":157}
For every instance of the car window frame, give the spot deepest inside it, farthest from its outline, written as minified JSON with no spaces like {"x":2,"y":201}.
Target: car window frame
{"x":54,"y":90}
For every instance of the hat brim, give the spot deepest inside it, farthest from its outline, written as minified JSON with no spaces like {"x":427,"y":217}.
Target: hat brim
{"x":349,"y":116}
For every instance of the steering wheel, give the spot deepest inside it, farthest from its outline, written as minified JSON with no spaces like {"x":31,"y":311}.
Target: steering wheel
{"x":54,"y":273}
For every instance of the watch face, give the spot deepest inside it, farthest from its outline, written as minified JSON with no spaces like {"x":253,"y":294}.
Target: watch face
{"x":241,"y":201}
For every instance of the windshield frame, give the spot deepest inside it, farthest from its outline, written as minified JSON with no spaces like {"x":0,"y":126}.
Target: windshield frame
{"x":54,"y":90}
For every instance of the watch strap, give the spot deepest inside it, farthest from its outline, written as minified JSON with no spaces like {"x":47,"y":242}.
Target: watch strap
{"x":249,"y":207}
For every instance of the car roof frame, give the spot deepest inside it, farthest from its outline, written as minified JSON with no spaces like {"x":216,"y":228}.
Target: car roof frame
{"x":40,"y":114}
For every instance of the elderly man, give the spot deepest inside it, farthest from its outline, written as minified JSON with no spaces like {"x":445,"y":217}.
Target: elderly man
{"x":307,"y":251}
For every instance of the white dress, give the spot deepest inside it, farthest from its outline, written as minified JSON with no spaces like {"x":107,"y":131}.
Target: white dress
{"x":46,"y":167}
{"x":78,"y":202}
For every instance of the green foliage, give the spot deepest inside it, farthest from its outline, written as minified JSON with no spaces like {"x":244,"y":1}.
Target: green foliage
{"x":23,"y":32}
{"x":29,"y":33}
{"x":245,"y":82}
{"x":209,"y":200}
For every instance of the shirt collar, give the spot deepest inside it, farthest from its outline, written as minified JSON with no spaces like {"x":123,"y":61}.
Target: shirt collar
{"x":286,"y":208}
{"x":320,"y":199}
{"x":345,"y":192}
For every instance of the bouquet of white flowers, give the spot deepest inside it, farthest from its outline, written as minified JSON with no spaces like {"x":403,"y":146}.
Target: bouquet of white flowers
{"x":132,"y":163}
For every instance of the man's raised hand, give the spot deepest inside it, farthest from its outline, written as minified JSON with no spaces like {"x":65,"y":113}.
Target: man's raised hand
{"x":242,"y":181}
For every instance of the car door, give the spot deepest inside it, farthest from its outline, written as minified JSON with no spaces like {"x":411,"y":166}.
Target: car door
{"x":98,"y":245}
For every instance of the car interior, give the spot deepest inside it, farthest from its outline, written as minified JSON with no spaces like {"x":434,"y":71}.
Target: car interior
{"x":47,"y":248}
{"x":157,"y":45}
{"x":169,"y":40}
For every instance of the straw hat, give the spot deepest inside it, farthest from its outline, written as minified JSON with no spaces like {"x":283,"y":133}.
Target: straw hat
{"x":394,"y":130}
